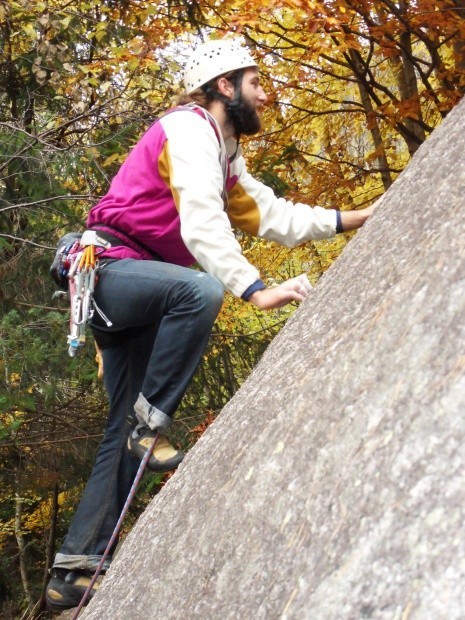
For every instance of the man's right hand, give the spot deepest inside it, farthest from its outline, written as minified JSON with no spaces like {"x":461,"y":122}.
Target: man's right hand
{"x":295,"y":289}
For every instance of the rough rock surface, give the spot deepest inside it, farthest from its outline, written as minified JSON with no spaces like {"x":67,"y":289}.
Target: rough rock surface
{"x":332,"y":486}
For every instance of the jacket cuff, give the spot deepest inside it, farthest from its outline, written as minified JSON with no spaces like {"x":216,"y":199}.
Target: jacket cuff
{"x":258,"y":285}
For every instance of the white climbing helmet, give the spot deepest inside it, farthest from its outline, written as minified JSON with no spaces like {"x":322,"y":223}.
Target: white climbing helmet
{"x":212,"y":59}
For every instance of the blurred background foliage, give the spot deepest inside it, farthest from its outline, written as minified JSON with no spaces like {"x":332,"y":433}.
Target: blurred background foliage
{"x":355,"y":89}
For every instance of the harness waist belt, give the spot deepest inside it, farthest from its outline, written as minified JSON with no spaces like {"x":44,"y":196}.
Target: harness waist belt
{"x":113,"y":238}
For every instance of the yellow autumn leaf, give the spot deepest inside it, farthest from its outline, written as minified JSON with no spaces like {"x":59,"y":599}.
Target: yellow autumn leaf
{"x":29,"y":30}
{"x":15,"y":378}
{"x":116,"y":157}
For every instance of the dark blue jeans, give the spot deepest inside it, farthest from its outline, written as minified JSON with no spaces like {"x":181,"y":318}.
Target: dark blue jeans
{"x":162,"y":317}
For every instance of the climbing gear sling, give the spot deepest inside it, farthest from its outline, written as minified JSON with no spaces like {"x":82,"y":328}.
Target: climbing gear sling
{"x":76,"y":263}
{"x":82,"y":278}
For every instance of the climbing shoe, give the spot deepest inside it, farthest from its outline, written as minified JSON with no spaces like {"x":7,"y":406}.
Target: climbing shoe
{"x":164,"y":456}
{"x":66,"y":588}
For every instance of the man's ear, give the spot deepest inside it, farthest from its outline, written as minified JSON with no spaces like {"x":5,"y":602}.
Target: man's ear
{"x":225,"y":87}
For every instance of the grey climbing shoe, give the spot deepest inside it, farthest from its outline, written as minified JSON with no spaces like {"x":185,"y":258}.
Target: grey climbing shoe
{"x":164,"y":456}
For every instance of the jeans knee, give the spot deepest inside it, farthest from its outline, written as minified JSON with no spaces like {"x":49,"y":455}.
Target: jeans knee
{"x":211,"y":291}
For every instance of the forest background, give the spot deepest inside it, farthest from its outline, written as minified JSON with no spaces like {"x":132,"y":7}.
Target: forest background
{"x":355,"y":88}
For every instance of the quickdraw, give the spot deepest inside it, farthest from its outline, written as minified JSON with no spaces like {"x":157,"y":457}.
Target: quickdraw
{"x":81,"y":277}
{"x":79,"y":264}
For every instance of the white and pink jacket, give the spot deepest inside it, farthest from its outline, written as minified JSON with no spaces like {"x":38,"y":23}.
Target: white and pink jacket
{"x":178,"y":195}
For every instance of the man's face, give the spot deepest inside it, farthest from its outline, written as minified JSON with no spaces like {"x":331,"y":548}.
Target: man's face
{"x":245,"y":114}
{"x":252,"y":90}
{"x":253,"y":99}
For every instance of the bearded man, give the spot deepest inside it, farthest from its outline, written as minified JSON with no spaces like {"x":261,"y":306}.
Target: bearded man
{"x":175,"y":203}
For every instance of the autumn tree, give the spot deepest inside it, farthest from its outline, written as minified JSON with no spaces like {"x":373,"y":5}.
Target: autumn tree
{"x":355,"y":88}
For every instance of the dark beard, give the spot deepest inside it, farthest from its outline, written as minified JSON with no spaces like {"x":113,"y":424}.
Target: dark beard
{"x":244,"y":117}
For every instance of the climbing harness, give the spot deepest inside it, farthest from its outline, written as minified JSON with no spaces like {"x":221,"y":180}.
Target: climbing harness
{"x":78,"y":264}
{"x":115,"y":533}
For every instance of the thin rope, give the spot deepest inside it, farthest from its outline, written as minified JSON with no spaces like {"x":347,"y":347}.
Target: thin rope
{"x":115,"y":533}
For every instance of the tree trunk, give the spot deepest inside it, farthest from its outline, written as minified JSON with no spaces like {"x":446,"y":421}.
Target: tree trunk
{"x":22,"y":552}
{"x":408,"y":87}
{"x":49,"y":547}
{"x":459,"y":48}
{"x":373,"y":126}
